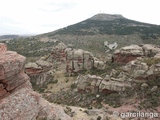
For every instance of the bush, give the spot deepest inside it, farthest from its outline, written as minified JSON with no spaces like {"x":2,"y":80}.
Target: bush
{"x":73,"y":86}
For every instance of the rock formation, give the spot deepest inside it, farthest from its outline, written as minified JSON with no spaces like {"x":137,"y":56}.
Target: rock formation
{"x":11,"y":70}
{"x":40,"y":73}
{"x":18,"y":101}
{"x":95,"y":84}
{"x":88,"y":83}
{"x":139,"y":70}
{"x":129,"y":53}
{"x":133,"y":71}
{"x":74,"y":60}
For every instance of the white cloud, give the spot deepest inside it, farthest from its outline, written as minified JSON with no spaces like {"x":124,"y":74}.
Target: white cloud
{"x":39,"y":16}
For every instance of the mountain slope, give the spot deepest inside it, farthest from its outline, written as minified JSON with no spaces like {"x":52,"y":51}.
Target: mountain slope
{"x":111,"y":25}
{"x":90,"y":35}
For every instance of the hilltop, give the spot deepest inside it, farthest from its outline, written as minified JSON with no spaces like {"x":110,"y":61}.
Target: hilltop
{"x":90,"y":35}
{"x":111,"y":25}
{"x":106,"y":27}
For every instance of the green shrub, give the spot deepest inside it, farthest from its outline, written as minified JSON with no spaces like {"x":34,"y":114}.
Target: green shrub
{"x":73,"y":86}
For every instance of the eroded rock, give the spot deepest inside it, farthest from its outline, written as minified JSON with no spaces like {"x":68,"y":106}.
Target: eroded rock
{"x":11,"y":70}
{"x":73,"y":60}
{"x":39,"y":72}
{"x":94,"y":84}
{"x":129,"y":53}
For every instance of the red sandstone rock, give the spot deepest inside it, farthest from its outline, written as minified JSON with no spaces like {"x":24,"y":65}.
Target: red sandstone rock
{"x":120,"y":58}
{"x":11,"y":70}
{"x":128,"y":53}
{"x":3,"y":48}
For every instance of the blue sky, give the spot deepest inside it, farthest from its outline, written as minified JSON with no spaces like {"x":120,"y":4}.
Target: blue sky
{"x":41,"y":16}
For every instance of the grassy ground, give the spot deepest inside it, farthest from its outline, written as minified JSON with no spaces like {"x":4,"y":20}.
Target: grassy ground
{"x":63,"y":83}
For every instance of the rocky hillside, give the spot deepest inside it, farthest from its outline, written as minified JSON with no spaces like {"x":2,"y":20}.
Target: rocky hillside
{"x":128,"y":82}
{"x":18,"y":101}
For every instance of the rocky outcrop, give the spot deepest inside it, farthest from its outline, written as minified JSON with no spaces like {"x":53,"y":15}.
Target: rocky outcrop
{"x":25,"y":104}
{"x":11,"y":71}
{"x":17,"y":99}
{"x":95,"y":84}
{"x":139,"y":70}
{"x":74,"y":60}
{"x":129,"y":53}
{"x":88,"y":83}
{"x":157,"y":55}
{"x":78,"y":60}
{"x":119,"y":80}
{"x":150,"y":50}
{"x":40,"y":73}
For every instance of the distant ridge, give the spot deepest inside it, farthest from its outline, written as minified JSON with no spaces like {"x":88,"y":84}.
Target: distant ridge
{"x":8,"y":37}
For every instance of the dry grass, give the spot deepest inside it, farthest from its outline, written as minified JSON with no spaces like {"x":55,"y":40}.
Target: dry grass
{"x":63,"y":83}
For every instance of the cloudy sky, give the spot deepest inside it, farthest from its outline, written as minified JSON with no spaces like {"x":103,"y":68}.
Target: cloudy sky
{"x":41,"y":16}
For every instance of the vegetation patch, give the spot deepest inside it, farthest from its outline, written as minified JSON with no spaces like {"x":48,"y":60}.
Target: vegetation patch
{"x":151,"y":61}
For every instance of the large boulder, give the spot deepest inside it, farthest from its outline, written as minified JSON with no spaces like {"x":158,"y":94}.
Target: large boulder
{"x":11,"y":70}
{"x":139,"y":70}
{"x":88,"y":83}
{"x":135,"y":66}
{"x":78,"y":60}
{"x":3,"y":48}
{"x":129,"y":53}
{"x":95,"y":84}
{"x":116,"y":86}
{"x":58,"y":55}
{"x":73,"y":60}
{"x":99,"y":64}
{"x":150,"y":50}
{"x":25,"y":104}
{"x":157,"y":55}
{"x":33,"y":68}
{"x":40,"y":72}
